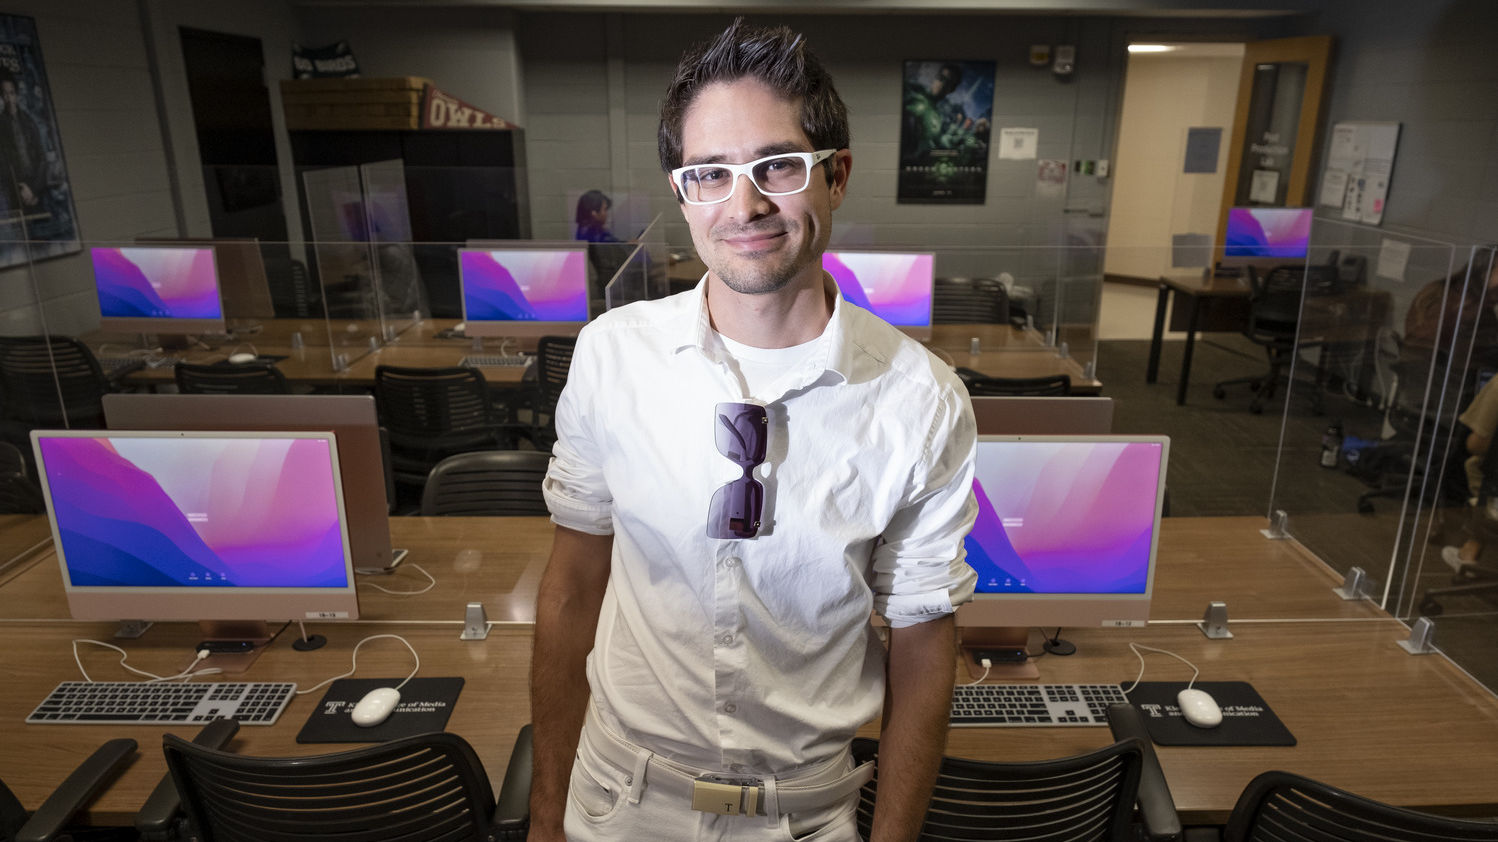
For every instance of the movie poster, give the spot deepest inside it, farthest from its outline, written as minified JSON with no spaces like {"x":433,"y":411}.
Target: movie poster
{"x":35,"y":202}
{"x":947,"y":113}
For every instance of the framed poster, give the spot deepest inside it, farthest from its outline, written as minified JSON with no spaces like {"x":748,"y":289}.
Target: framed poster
{"x":36,"y":203}
{"x":946,"y":118}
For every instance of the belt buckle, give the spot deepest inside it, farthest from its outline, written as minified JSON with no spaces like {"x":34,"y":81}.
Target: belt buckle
{"x":726,"y":795}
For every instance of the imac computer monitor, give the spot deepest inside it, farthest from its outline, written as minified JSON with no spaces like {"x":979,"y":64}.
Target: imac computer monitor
{"x":895,"y":287}
{"x":350,"y":418}
{"x":1066,"y":535}
{"x":205,"y":526}
{"x":1006,"y":415}
{"x":243,"y":283}
{"x":526,"y":290}
{"x":158,"y":289}
{"x":1268,"y":233}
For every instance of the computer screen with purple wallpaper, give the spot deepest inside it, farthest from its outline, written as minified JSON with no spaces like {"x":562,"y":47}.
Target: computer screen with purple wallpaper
{"x":1268,"y":232}
{"x":165,"y":288}
{"x":1066,"y":529}
{"x":515,"y":291}
{"x":198,"y":525}
{"x":894,"y":287}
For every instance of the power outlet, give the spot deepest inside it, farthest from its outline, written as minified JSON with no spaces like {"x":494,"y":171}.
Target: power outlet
{"x":1102,"y":168}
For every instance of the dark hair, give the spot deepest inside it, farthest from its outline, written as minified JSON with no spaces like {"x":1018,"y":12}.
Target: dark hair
{"x":588,"y":203}
{"x":775,"y":56}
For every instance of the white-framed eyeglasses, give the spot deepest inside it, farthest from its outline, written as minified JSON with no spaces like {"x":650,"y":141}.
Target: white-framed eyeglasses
{"x":774,"y":175}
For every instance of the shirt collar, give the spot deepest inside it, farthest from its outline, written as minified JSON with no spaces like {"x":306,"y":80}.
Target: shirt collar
{"x":836,"y":353}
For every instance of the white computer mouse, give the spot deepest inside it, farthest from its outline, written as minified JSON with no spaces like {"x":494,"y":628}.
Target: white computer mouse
{"x":1199,"y":708}
{"x":376,"y":706}
{"x":242,"y":357}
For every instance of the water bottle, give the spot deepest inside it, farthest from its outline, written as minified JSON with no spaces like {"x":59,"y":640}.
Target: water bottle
{"x":1331,"y":445}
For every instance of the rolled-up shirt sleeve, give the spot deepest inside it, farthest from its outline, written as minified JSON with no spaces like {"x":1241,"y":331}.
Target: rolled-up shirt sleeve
{"x":575,"y":490}
{"x":920,"y":568}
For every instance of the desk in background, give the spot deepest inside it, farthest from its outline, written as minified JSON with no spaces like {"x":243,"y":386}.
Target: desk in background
{"x":1208,"y":303}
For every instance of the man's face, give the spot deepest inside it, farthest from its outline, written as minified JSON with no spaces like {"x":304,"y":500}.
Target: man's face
{"x":9,"y":94}
{"x":755,"y":243}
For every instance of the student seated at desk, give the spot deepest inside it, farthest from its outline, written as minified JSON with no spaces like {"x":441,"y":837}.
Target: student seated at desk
{"x":1481,"y":421}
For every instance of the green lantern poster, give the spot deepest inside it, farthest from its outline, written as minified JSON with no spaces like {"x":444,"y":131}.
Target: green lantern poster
{"x":946,"y":119}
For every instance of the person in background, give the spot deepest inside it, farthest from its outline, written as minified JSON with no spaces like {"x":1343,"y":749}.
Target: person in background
{"x":743,"y":473}
{"x":593,"y":218}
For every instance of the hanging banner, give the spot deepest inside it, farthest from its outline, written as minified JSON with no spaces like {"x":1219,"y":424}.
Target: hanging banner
{"x":442,"y":110}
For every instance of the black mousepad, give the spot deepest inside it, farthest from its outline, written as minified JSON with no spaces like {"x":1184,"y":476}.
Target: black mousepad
{"x":425,"y":705}
{"x":1247,"y":719}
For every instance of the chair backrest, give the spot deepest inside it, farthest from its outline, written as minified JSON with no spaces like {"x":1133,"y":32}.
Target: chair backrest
{"x":231,"y":379}
{"x":553,"y":361}
{"x":416,"y":404}
{"x":1274,"y":306}
{"x":1286,"y":807}
{"x":1081,"y":798}
{"x":51,"y":381}
{"x":487,"y":482}
{"x":969,"y":301}
{"x":414,"y":789}
{"x":980,"y":385}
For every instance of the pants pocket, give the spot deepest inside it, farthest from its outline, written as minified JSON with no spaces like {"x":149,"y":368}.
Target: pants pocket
{"x":593,"y":798}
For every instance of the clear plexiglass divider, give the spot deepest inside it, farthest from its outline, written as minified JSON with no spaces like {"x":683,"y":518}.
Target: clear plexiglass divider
{"x":1376,"y":472}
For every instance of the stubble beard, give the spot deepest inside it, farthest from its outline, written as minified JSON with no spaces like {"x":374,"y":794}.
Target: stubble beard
{"x":758,"y":274}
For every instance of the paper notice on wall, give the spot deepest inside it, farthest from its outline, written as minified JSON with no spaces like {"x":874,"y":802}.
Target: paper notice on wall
{"x":1333,"y":188}
{"x":1018,"y":144}
{"x":1264,"y":187}
{"x":1050,"y":178}
{"x":1358,"y":165}
{"x":1393,"y":257}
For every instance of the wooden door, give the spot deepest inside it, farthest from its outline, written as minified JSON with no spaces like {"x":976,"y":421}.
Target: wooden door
{"x":1281,"y":97}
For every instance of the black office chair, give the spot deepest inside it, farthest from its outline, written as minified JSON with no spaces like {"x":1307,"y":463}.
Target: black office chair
{"x":51,"y":382}
{"x":19,"y":494}
{"x":1274,"y":324}
{"x":490,"y":482}
{"x":257,"y":378}
{"x":969,"y":301}
{"x":1429,"y":392}
{"x":553,"y":361}
{"x":1284,"y":807}
{"x":419,"y":788}
{"x":161,"y":818}
{"x":433,"y":413}
{"x":981,"y":385}
{"x":1477,"y":578}
{"x":1086,"y":797}
{"x":68,"y":800}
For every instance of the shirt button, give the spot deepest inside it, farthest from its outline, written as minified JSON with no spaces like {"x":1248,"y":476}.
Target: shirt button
{"x":730,"y":563}
{"x":725,"y":639}
{"x":730,"y":707}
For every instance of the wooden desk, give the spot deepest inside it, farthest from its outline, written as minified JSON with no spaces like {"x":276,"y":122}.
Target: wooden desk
{"x":1227,"y":297}
{"x":1008,"y":351}
{"x":498,"y":561}
{"x":1350,"y":317}
{"x":1410,"y":730}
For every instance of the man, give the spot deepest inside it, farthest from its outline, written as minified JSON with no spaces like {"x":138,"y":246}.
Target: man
{"x":24,"y":159}
{"x":742,"y":473}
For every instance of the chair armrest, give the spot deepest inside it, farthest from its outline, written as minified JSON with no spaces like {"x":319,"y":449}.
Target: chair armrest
{"x":157,"y":818}
{"x":512,"y":814}
{"x":81,"y":787}
{"x":1161,"y":824}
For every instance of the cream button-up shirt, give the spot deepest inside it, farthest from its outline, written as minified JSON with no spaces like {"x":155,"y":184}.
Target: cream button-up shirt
{"x":757,"y":656}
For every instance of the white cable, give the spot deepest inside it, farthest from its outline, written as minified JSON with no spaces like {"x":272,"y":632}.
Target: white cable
{"x":202,"y":653}
{"x":987,"y":665}
{"x":1136,"y":647}
{"x":432,"y":579}
{"x":354,"y":663}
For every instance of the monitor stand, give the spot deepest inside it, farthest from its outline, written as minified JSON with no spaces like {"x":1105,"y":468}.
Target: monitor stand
{"x":257,"y":633}
{"x":998,"y":644}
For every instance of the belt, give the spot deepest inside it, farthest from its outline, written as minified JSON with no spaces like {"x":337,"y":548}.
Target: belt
{"x":721,"y":793}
